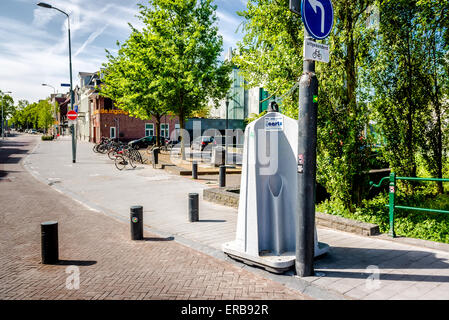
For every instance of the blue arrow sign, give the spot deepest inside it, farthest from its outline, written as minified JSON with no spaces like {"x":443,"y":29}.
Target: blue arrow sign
{"x":318,"y":17}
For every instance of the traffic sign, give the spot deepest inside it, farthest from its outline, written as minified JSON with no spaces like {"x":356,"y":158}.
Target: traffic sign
{"x":316,"y":51}
{"x":72,"y":115}
{"x":65,"y":84}
{"x":318,"y":17}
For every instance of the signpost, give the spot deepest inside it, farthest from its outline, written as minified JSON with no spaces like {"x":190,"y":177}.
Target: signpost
{"x":318,"y":17}
{"x":72,"y":115}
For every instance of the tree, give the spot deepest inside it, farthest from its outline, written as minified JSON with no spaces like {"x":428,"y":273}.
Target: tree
{"x":184,"y":45}
{"x":408,"y":79}
{"x":433,"y":26}
{"x":45,"y":112}
{"x":17,"y":117}
{"x":271,"y":55}
{"x":129,"y":79}
{"x":171,"y":65}
{"x":7,"y":105}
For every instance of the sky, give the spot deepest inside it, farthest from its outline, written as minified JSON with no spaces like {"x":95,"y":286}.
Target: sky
{"x":34,"y":40}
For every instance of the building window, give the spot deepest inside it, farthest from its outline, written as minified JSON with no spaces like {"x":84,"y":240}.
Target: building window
{"x":164,"y":130}
{"x":149,"y":129}
{"x":107,"y":104}
{"x":112,"y":132}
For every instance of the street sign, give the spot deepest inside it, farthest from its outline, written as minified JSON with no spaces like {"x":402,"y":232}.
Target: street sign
{"x":316,"y":51}
{"x":72,"y":115}
{"x":75,"y":107}
{"x":65,"y":84}
{"x":318,"y":17}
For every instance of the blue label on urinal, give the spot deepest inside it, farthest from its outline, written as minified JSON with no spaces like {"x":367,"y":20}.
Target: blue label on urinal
{"x":274,"y":124}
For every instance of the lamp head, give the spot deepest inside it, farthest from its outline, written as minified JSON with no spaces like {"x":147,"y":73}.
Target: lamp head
{"x":44,"y":5}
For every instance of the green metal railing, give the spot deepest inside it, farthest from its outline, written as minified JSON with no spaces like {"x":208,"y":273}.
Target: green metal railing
{"x":392,"y":191}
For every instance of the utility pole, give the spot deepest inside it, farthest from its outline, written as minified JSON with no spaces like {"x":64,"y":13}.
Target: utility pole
{"x":317,"y":17}
{"x":48,"y":6}
{"x":307,"y":141}
{"x":226,"y":130}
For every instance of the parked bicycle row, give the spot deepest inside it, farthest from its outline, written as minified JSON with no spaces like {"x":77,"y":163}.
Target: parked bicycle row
{"x":123,"y":154}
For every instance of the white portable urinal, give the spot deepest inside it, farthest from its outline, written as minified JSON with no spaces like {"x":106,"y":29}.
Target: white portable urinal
{"x":266,"y":221}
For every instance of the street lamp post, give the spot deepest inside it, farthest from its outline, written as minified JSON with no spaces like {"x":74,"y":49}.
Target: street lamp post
{"x":226,"y":131}
{"x":54,"y":93}
{"x":3,"y":120}
{"x":48,"y":6}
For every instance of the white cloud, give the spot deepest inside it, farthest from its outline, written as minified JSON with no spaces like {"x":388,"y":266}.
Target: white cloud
{"x":91,"y":39}
{"x":34,"y":49}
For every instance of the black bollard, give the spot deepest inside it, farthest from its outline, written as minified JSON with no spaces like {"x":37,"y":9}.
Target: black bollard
{"x":194,"y":170}
{"x":193,"y":207}
{"x":50,"y":248}
{"x":155,"y":157}
{"x":136,"y":222}
{"x":222,"y":176}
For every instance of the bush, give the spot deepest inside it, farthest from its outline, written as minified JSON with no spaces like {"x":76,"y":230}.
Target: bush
{"x":407,"y":223}
{"x":47,"y":138}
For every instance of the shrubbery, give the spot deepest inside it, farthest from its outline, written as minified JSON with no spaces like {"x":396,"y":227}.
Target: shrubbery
{"x":413,"y":224}
{"x":47,"y":138}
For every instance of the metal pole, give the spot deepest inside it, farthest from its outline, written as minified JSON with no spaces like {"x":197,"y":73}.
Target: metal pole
{"x":194,"y":170}
{"x":226,"y":131}
{"x":222,"y":176}
{"x":307,"y":141}
{"x":392,"y":192}
{"x":136,"y":215}
{"x":49,"y":242}
{"x":193,"y":207}
{"x":71,"y":93}
{"x":3,"y":122}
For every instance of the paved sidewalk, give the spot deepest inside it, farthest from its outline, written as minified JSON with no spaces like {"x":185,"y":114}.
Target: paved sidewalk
{"x":356,"y":267}
{"x":98,"y":249}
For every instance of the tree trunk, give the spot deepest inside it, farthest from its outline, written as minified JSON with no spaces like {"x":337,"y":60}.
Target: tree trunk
{"x":352,"y":101}
{"x":438,"y":148}
{"x":182,"y":127}
{"x":158,"y":117}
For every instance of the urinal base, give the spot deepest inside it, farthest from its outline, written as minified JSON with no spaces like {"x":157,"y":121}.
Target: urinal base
{"x":269,"y":261}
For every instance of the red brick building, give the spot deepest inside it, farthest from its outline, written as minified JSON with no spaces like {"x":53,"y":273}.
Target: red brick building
{"x":109,"y":121}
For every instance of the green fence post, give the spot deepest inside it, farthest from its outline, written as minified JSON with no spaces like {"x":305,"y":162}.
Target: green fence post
{"x":392,"y":190}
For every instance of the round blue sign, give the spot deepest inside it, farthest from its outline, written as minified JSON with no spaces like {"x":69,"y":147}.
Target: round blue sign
{"x":318,"y":17}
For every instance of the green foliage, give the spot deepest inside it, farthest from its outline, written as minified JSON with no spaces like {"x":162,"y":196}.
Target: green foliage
{"x":33,"y":116}
{"x":46,"y":138}
{"x":7,"y":104}
{"x":45,"y":114}
{"x":271,"y":55}
{"x":254,"y":116}
{"x":413,"y":224}
{"x":407,"y":74}
{"x":171,"y":65}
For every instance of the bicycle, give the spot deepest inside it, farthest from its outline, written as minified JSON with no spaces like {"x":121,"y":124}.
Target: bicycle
{"x":122,"y":159}
{"x":316,"y":54}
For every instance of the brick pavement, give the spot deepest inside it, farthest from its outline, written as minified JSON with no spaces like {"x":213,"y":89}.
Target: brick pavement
{"x":110,"y":265}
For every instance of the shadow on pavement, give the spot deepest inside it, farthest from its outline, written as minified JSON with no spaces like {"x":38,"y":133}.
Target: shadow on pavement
{"x":340,"y":258}
{"x":159,"y":239}
{"x":75,"y":263}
